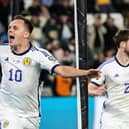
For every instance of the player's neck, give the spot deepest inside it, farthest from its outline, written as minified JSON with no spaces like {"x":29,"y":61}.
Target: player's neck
{"x":123,"y":58}
{"x":20,"y":48}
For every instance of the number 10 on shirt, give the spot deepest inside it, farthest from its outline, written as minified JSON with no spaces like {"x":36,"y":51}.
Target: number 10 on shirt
{"x":15,"y":75}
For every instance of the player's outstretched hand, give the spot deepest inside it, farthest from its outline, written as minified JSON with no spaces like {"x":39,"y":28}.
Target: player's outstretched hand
{"x":93,"y":73}
{"x":100,"y":90}
{"x":97,"y":91}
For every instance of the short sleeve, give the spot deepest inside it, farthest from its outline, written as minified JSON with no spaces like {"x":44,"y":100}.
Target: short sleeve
{"x":101,"y":79}
{"x":48,"y":61}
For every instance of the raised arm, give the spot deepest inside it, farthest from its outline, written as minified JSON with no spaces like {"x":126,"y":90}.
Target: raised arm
{"x":69,"y":71}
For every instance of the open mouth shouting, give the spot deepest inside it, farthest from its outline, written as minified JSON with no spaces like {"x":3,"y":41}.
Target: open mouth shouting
{"x":11,"y":38}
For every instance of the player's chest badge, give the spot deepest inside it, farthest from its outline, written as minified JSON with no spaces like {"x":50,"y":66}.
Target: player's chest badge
{"x":27,"y":61}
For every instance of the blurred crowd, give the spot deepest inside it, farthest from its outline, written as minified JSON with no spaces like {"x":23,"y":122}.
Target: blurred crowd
{"x":108,"y":6}
{"x":53,"y":22}
{"x":104,"y":19}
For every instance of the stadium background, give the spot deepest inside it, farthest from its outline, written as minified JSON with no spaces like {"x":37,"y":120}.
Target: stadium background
{"x":54,"y":30}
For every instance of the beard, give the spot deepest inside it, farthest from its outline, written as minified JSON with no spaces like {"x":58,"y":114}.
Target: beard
{"x":126,"y":52}
{"x":15,"y":47}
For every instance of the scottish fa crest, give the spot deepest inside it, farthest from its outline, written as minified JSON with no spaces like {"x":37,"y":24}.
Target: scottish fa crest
{"x":27,"y":61}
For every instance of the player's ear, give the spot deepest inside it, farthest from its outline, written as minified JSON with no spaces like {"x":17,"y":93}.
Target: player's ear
{"x":26,"y":34}
{"x":123,"y":43}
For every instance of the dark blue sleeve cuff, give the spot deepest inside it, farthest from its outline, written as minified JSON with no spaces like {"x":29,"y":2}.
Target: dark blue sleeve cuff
{"x":95,"y":83}
{"x":52,"y":70}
